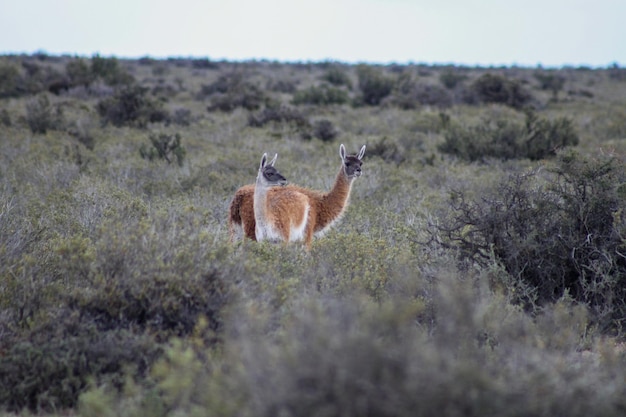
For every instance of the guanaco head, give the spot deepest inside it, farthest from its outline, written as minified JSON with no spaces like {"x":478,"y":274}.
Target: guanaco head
{"x":268,"y":175}
{"x":351,"y":163}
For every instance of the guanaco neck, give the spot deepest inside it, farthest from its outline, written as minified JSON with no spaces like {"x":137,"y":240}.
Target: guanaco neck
{"x":260,"y":198}
{"x":334,"y":202}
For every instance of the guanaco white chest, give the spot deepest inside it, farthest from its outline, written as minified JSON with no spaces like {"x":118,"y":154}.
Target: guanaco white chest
{"x":280,"y":214}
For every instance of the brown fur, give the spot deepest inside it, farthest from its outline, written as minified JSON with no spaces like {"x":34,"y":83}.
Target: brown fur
{"x":241,"y":213}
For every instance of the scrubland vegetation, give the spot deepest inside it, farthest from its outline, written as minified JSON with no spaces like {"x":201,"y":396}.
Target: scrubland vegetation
{"x":479,"y":270}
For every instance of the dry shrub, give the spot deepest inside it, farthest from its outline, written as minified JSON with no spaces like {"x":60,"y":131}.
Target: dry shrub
{"x":562,"y":236}
{"x":504,"y":139}
{"x":131,"y":106}
{"x":231,"y":91}
{"x":494,"y":88}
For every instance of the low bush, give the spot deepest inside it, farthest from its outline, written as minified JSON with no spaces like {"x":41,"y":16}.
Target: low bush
{"x":281,"y":115}
{"x":324,"y":130}
{"x":79,"y":73}
{"x":321,"y":96}
{"x":92,"y":298}
{"x":409,"y":94}
{"x":504,"y":139}
{"x":282,"y":86}
{"x":493,"y":88}
{"x":110,"y":71}
{"x":165,"y":147}
{"x":231,"y":91}
{"x":550,"y":81}
{"x":131,"y":106}
{"x":5,"y":118}
{"x":204,"y":63}
{"x":388,"y":150}
{"x":562,"y":235}
{"x":50,"y":366}
{"x":374,"y":85}
{"x":451,"y":78}
{"x":42,"y":116}
{"x":337,"y":77}
{"x":10,"y":80}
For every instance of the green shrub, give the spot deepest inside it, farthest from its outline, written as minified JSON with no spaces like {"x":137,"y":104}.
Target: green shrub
{"x":321,"y":96}
{"x":346,"y":357}
{"x":388,"y":150}
{"x":282,"y":86}
{"x":39,"y":78}
{"x":49,"y":367}
{"x":41,"y":116}
{"x":79,"y":73}
{"x":543,"y":138}
{"x":280,"y":115}
{"x":409,"y":94}
{"x":231,"y":91}
{"x":562,"y":237}
{"x":204,"y":63}
{"x":164,"y":146}
{"x":450,"y":78}
{"x":10,"y":80}
{"x":373,"y":84}
{"x":131,"y":106}
{"x":551,"y":81}
{"x":337,"y":77}
{"x":109,"y":70}
{"x":504,"y":139}
{"x":493,"y":88}
{"x":5,"y":118}
{"x":324,"y":130}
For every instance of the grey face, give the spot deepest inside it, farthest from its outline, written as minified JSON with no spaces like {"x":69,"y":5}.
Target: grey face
{"x":272,"y":176}
{"x":352,"y":166}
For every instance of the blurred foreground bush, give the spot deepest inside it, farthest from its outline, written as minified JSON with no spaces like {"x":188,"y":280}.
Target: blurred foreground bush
{"x":95,"y":305}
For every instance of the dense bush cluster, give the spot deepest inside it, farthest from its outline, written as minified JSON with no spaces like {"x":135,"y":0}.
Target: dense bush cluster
{"x":494,"y":88}
{"x":337,"y":77}
{"x":33,"y":76}
{"x":41,"y":116}
{"x":536,"y":139}
{"x":551,"y":81}
{"x":322,"y":96}
{"x":281,"y":114}
{"x":95,"y":306}
{"x":231,"y":91}
{"x":410,"y":94}
{"x":555,"y":236}
{"x":131,"y":106}
{"x":374,"y":85}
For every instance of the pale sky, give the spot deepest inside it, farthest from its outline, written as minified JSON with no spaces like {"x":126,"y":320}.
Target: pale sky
{"x":551,"y":33}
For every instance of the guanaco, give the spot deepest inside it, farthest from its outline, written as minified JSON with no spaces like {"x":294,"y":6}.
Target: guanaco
{"x":327,"y":208}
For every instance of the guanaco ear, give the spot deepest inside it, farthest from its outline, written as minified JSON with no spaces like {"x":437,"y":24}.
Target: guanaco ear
{"x":342,"y":152}
{"x":263,"y":161}
{"x":273,"y":160}
{"x":361,"y":153}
